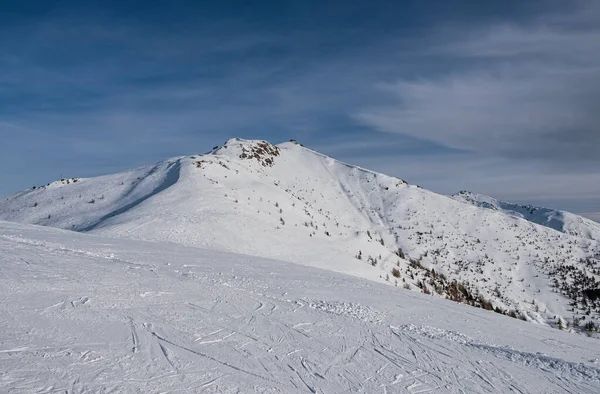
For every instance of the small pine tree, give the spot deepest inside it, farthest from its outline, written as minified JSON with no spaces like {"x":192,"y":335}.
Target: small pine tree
{"x":590,"y":326}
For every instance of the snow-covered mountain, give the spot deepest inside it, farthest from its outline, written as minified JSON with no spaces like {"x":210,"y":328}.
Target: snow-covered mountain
{"x":563,"y":221}
{"x":89,"y":314}
{"x":291,"y":203}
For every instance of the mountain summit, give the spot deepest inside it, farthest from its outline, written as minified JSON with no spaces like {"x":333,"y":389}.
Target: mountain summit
{"x":291,"y":203}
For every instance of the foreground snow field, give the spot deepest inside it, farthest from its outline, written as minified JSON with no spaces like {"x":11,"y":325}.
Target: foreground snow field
{"x":86,"y":314}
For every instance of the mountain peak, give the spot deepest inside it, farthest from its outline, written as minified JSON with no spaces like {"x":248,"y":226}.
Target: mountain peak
{"x":291,"y":203}
{"x":260,"y":150}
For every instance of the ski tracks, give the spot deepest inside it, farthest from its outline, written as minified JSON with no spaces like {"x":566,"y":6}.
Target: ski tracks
{"x":280,"y":343}
{"x":211,"y":331}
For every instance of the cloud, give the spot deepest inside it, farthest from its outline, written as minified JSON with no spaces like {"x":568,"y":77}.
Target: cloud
{"x":519,"y":100}
{"x":90,"y":95}
{"x":525,"y":92}
{"x":503,"y":108}
{"x":516,"y":181}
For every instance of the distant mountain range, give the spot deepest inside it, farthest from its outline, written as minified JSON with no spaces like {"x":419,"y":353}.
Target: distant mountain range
{"x":562,"y":221}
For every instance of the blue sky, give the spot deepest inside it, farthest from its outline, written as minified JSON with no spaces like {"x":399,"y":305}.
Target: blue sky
{"x":495,"y":97}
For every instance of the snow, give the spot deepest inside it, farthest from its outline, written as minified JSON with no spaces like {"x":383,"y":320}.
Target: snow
{"x":563,"y":221}
{"x":86,"y":313}
{"x":290,"y":203}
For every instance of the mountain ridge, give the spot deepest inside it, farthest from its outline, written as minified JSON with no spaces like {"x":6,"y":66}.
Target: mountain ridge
{"x":291,"y":203}
{"x":559,"y":220}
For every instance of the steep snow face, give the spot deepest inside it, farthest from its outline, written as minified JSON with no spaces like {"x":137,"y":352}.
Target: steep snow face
{"x":86,"y":314}
{"x":290,"y":203}
{"x":562,"y":221}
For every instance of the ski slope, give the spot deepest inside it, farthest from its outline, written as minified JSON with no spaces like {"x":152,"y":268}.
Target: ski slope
{"x":290,"y":203}
{"x":89,"y":314}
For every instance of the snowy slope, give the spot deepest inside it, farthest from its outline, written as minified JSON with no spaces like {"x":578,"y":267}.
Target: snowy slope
{"x":562,"y":221}
{"x":290,"y":203}
{"x":83,"y":314}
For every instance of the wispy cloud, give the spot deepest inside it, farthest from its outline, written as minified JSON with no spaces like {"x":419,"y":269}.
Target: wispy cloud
{"x":501,"y":105}
{"x":520,"y":97}
{"x":521,"y":92}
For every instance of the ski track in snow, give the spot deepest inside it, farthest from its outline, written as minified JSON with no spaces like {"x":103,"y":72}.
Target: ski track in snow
{"x":85,"y":314}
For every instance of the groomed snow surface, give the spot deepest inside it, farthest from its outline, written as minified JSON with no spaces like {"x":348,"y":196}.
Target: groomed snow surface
{"x":87,"y":314}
